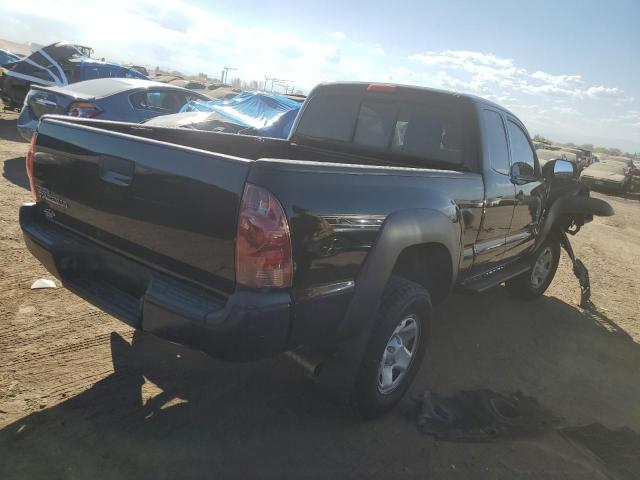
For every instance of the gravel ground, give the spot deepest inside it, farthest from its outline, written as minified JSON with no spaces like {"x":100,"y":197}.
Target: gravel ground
{"x":84,"y":396}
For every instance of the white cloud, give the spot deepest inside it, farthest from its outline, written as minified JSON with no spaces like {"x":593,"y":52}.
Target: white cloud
{"x":464,"y":59}
{"x":178,"y":35}
{"x":338,"y":35}
{"x":485,"y":68}
{"x":558,"y":80}
{"x":548,"y":89}
{"x":378,"y":51}
{"x":604,"y":92}
{"x":489,"y":73}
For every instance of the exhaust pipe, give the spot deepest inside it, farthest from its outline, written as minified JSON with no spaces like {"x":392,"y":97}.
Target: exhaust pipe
{"x":311,"y":362}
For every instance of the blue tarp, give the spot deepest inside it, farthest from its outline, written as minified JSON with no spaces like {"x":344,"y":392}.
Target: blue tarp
{"x":270,"y":115}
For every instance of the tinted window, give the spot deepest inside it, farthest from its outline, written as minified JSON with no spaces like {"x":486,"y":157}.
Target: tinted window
{"x":496,"y":142}
{"x":158,"y":101}
{"x":374,"y":125}
{"x":427,"y":131}
{"x":521,"y":153}
{"x":330,"y":117}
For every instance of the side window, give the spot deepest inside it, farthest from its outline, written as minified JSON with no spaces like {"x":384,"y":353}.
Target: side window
{"x":496,"y":142}
{"x":521,"y":153}
{"x":158,"y":101}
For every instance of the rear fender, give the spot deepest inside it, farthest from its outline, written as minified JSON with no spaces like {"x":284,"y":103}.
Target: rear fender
{"x":400,"y":230}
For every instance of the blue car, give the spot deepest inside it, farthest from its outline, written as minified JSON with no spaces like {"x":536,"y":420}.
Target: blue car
{"x":121,"y":99}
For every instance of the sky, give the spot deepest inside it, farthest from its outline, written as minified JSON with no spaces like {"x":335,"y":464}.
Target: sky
{"x":569,"y":69}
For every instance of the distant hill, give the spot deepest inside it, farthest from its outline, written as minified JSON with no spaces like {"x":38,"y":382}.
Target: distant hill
{"x":14,"y":47}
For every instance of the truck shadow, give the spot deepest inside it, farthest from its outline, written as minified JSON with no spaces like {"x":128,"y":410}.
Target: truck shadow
{"x":168,"y":412}
{"x":628,"y":195}
{"x":14,"y":171}
{"x":9,"y":131}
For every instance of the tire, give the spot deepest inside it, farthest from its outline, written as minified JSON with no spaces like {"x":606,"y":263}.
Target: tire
{"x":405,"y":307}
{"x":536,"y":280}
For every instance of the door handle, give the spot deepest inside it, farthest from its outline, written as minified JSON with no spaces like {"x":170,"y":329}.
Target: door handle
{"x":520,"y":196}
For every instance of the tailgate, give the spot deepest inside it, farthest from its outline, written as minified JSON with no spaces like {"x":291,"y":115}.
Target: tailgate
{"x":169,"y":206}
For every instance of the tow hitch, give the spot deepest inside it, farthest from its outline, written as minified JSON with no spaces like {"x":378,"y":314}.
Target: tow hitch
{"x":579,"y":270}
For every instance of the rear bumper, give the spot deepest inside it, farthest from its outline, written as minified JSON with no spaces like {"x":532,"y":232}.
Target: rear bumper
{"x":245,"y":325}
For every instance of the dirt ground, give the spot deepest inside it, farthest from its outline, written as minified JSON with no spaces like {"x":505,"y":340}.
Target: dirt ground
{"x":84,"y":396}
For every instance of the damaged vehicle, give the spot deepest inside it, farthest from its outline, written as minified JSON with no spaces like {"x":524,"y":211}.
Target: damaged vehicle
{"x":612,"y":175}
{"x":58,"y":64}
{"x":121,"y":99}
{"x":7,"y":57}
{"x":333,"y":245}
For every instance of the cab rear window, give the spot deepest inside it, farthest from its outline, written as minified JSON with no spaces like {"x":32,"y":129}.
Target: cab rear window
{"x":429,"y":132}
{"x":330,"y":118}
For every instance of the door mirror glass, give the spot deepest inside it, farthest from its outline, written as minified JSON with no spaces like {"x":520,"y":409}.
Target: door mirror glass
{"x":563,"y":169}
{"x":522,"y":172}
{"x":559,"y":168}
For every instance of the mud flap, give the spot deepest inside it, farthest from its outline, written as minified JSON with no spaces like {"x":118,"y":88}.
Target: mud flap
{"x":579,"y":270}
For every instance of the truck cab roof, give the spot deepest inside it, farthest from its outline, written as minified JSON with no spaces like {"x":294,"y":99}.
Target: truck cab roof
{"x":404,"y":92}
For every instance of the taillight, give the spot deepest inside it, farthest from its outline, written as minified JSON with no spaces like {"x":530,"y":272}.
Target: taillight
{"x":29,"y":165}
{"x":83,"y":109}
{"x":263,"y":243}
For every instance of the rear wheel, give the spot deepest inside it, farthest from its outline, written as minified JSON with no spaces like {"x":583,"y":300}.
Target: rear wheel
{"x":396,"y":348}
{"x":534,"y":282}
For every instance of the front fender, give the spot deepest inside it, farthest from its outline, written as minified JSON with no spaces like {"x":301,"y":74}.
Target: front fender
{"x":571,"y":205}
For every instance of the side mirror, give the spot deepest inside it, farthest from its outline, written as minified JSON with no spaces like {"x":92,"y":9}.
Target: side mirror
{"x":559,"y":168}
{"x":521,"y":173}
{"x":564,"y":169}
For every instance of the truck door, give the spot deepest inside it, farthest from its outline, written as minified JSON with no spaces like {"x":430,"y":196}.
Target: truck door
{"x":527,"y":180}
{"x":499,"y":192}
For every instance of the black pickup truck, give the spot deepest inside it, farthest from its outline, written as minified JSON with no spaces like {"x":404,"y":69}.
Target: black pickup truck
{"x":332,"y":245}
